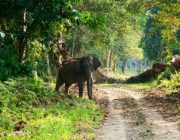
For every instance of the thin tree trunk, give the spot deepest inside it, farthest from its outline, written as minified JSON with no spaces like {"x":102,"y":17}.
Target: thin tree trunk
{"x":108,"y":59}
{"x":59,"y":47}
{"x":3,"y":25}
{"x":129,"y":64}
{"x":124,"y":65}
{"x":48,"y":68}
{"x":58,"y":57}
{"x":140,"y":66}
{"x":72,"y":52}
{"x":22,"y":39}
{"x":114,"y":69}
{"x":149,"y":64}
{"x":4,"y":28}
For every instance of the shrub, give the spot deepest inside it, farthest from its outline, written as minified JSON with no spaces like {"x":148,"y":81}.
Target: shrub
{"x":171,"y":82}
{"x":30,"y":106}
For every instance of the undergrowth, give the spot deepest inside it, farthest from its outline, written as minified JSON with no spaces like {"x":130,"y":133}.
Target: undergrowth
{"x":170,"y":82}
{"x":30,"y":109}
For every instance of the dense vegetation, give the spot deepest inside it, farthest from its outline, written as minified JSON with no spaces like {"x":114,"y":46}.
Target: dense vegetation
{"x":30,"y":109}
{"x":126,"y":35}
{"x":109,"y":30}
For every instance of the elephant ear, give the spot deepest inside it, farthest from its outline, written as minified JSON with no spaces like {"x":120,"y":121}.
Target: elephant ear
{"x":96,"y":63}
{"x":78,"y":66}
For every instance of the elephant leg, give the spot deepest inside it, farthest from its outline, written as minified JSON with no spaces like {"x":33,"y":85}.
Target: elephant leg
{"x":67,"y":89}
{"x":59,"y":83}
{"x":89,"y":88}
{"x":81,"y":85}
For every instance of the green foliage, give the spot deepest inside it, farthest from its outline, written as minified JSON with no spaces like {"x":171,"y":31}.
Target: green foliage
{"x":9,"y":65}
{"x":151,"y":42}
{"x":147,"y":85}
{"x":30,"y":29}
{"x":46,"y":114}
{"x":160,"y":34}
{"x":117,"y":33}
{"x":170,"y":82}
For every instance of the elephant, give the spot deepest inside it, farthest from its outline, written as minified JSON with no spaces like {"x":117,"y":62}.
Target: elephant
{"x":78,"y":71}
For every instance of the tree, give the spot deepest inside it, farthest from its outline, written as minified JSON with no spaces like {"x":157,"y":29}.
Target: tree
{"x":108,"y":37}
{"x":33,"y":19}
{"x":161,"y":32}
{"x":24,"y":21}
{"x":151,"y":42}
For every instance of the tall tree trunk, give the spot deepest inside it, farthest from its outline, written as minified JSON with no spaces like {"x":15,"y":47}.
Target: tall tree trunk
{"x":114,"y":68}
{"x":72,"y":52}
{"x":140,"y":66}
{"x":149,"y":64}
{"x":124,"y":65}
{"x":108,"y":59}
{"x":58,"y":57}
{"x":59,"y":47}
{"x":22,"y":38}
{"x":3,"y":25}
{"x":129,"y":65}
{"x":48,"y":68}
{"x":4,"y":28}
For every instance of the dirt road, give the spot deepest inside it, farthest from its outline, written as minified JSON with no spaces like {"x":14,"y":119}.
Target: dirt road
{"x":132,"y":117}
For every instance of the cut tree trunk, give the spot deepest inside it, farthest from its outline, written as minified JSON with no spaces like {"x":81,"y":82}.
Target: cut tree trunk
{"x":156,"y":69}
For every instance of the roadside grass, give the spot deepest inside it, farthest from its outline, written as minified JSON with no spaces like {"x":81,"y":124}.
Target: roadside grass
{"x":30,"y":109}
{"x":148,"y":85}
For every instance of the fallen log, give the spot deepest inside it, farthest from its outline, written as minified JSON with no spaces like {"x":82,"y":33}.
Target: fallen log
{"x":156,"y":69}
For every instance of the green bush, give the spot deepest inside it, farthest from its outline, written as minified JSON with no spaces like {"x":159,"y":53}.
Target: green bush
{"x":170,"y":81}
{"x":44,"y":113}
{"x":9,"y":67}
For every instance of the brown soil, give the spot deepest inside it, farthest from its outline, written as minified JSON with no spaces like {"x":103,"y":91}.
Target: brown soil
{"x":137,"y":114}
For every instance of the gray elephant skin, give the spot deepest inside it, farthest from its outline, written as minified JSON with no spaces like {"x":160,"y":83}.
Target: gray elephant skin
{"x":77,"y":71}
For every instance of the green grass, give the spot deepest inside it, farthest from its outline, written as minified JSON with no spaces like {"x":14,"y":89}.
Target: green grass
{"x":147,"y":85}
{"x":46,"y":114}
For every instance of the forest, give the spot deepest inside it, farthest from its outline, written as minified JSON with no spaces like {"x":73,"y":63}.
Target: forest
{"x":127,"y":36}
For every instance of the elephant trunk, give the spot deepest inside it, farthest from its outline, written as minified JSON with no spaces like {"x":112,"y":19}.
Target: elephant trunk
{"x":88,"y":76}
{"x":89,"y":88}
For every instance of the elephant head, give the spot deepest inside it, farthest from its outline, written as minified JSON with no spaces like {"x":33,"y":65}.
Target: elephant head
{"x":87,"y":62}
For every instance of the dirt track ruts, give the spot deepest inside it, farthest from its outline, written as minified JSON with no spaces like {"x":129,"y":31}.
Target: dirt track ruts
{"x":131,"y":119}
